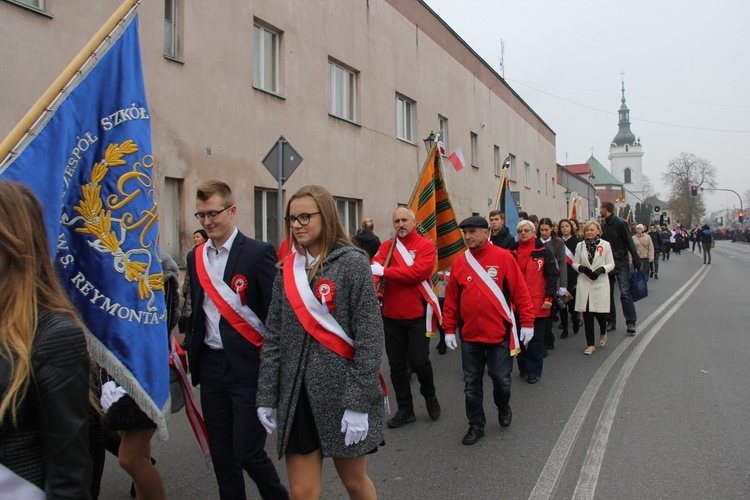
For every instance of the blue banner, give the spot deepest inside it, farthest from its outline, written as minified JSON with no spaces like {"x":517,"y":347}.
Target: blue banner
{"x":91,"y":165}
{"x":507,"y":206}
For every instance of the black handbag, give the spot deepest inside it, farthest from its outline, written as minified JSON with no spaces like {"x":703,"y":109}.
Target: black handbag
{"x":638,"y":286}
{"x":182,"y":322}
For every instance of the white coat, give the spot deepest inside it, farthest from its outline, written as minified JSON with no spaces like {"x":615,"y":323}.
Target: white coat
{"x":596,"y":293}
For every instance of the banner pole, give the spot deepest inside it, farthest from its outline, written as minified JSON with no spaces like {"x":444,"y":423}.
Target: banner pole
{"x":31,"y":116}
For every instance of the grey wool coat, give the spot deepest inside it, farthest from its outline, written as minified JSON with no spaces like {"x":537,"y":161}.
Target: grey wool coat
{"x":292,"y":357}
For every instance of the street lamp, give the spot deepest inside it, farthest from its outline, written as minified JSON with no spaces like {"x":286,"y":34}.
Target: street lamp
{"x":567,"y":202}
{"x":429,"y":141}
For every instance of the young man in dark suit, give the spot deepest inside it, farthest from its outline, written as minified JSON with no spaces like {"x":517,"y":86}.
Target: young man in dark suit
{"x":231,"y":278}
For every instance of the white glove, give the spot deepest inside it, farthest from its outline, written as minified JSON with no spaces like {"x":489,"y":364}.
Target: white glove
{"x":526,"y":335}
{"x":110,"y":394}
{"x":265,"y":415}
{"x":377,"y":269}
{"x":356,"y":425}
{"x":450,"y":341}
{"x":562,"y":292}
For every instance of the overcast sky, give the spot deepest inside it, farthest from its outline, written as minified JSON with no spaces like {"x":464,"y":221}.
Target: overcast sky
{"x":686,"y":65}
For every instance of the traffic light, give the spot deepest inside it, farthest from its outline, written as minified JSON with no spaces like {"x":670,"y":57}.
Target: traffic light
{"x":741,"y":216}
{"x":693,"y":190}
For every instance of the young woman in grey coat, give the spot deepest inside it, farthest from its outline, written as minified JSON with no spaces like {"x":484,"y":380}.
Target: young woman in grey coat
{"x":327,"y":404}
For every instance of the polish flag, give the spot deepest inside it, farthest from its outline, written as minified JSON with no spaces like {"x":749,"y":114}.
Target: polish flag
{"x":441,"y":148}
{"x":457,"y":159}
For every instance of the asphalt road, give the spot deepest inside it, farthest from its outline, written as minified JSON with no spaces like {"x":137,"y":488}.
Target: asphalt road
{"x":663,"y":414}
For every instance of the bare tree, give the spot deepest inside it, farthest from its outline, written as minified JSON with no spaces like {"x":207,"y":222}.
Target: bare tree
{"x":648,"y":188}
{"x":682,"y":172}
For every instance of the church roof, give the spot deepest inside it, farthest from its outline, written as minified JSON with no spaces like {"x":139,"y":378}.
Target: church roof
{"x":624,"y":134}
{"x":602,"y":176}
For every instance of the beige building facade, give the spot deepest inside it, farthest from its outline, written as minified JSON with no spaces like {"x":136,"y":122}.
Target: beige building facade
{"x":353,"y":85}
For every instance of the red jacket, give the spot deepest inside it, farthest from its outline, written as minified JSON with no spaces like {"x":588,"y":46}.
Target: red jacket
{"x":539,"y":268}
{"x":402,"y":298}
{"x":465,"y":300}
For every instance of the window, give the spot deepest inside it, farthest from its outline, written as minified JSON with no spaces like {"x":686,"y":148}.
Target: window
{"x":443,"y":128}
{"x":546,"y":187}
{"x":342,"y":92}
{"x":406,"y":111}
{"x":538,"y":180}
{"x":172,"y":28}
{"x":498,"y":162}
{"x":349,"y":213}
{"x":34,"y":4}
{"x":474,"y":152}
{"x":554,"y":191}
{"x":627,"y":176}
{"x":512,"y":173}
{"x":266,"y":217}
{"x":527,"y":175}
{"x":265,"y":59}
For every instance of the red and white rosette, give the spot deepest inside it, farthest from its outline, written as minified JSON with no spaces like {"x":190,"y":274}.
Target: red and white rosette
{"x":239,"y":285}
{"x":324,"y":292}
{"x":600,"y":250}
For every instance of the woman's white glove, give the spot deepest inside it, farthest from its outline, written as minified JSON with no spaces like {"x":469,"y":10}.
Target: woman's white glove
{"x":450,"y":341}
{"x":265,"y":415}
{"x":377,"y":269}
{"x":355,"y":425}
{"x":526,"y":335}
{"x":110,"y":394}
{"x":562,"y":292}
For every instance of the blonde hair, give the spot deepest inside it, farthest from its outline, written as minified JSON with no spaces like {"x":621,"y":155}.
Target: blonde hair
{"x":332,"y":230}
{"x":368,"y":223}
{"x":215,"y":187}
{"x":592,"y":223}
{"x":30,"y":285}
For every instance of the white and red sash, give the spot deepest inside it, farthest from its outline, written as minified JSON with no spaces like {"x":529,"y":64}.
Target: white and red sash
{"x":228,"y":302}
{"x":569,"y":256}
{"x":312,"y":315}
{"x":177,"y":359}
{"x":315,"y":317}
{"x":433,"y":314}
{"x":492,"y":291}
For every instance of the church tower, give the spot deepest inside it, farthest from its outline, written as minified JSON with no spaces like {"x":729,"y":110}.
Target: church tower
{"x":626,"y":157}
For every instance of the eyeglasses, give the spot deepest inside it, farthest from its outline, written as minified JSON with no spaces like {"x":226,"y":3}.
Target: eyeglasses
{"x":211,"y":215}
{"x":525,"y":231}
{"x":303,"y":219}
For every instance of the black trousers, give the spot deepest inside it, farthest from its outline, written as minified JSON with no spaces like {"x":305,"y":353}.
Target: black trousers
{"x":406,"y":344}
{"x":236,"y":435}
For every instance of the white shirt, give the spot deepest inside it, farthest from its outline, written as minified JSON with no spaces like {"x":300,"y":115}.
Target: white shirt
{"x":217,"y":258}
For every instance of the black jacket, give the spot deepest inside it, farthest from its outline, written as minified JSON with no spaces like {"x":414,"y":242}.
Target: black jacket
{"x":503,"y":239}
{"x":658,"y":242}
{"x":367,"y":241}
{"x":49,"y":446}
{"x":615,"y":231}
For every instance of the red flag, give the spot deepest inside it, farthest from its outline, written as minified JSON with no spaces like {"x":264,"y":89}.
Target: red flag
{"x":457,"y":159}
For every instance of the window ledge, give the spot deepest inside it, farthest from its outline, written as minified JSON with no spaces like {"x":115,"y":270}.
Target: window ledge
{"x":260,"y":89}
{"x":475,"y":166}
{"x":174,"y":59}
{"x":347,"y":120}
{"x":406,"y":141}
{"x":32,"y":9}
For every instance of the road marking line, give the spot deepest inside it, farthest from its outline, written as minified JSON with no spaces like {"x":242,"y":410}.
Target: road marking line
{"x":550,"y":475}
{"x":589,"y":475}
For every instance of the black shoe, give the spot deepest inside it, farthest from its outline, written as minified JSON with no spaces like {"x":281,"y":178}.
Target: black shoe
{"x":532,"y":380}
{"x":656,"y":276}
{"x":551,"y":347}
{"x":564,"y":334}
{"x":576,"y":327}
{"x":610,"y":328}
{"x":651,"y":274}
{"x":522,"y":374}
{"x":433,"y":408}
{"x":631,"y":329}
{"x":441,"y":349}
{"x":474,"y":434}
{"x":560,"y":327}
{"x":402,"y":417}
{"x":505,"y":417}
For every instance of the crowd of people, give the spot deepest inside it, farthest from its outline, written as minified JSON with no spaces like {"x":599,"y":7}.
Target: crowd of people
{"x":290,"y":340}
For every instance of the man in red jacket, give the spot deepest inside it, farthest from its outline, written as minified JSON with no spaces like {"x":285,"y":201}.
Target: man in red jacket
{"x":485,"y":289}
{"x":407,"y":305}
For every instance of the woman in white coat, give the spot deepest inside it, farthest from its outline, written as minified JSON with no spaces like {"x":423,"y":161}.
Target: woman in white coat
{"x":593,"y":259}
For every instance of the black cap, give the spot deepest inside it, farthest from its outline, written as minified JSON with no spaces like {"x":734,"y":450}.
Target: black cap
{"x":474,"y":221}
